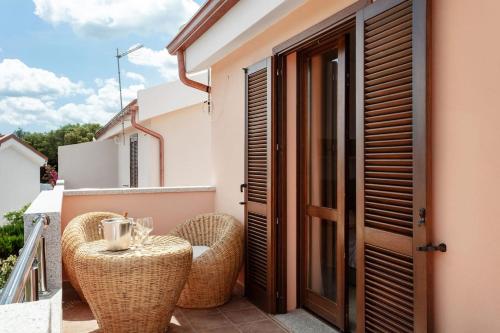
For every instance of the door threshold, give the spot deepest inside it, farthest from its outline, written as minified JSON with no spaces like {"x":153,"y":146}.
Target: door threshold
{"x":303,"y":321}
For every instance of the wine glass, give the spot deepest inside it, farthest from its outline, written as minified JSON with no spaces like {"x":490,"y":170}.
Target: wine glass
{"x":145,"y":228}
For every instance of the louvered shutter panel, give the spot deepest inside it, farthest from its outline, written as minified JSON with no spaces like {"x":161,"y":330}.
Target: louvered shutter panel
{"x":392,"y":179}
{"x":259,"y":281}
{"x":134,"y":160}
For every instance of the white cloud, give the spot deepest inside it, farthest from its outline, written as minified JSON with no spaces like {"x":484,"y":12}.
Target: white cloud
{"x":38,"y":98}
{"x":98,"y":107}
{"x":135,"y":76}
{"x":18,"y":79}
{"x":165,"y":63}
{"x":102,"y":18}
{"x":20,"y":111}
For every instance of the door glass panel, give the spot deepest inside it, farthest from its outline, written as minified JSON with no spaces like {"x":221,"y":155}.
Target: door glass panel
{"x":322,"y":134}
{"x":322,"y":257}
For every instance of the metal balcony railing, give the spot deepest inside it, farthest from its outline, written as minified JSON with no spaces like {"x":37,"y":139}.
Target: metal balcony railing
{"x":28,"y":279}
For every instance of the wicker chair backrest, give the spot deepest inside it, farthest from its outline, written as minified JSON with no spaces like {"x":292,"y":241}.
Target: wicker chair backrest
{"x":208,"y":229}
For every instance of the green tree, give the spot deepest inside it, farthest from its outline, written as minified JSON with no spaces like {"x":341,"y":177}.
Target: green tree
{"x":12,"y":234}
{"x":47,"y":142}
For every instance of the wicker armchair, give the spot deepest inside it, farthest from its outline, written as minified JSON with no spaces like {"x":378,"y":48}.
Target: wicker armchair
{"x":81,"y":229}
{"x":214,"y":273}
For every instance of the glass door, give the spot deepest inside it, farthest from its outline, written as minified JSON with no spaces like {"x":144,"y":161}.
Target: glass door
{"x":323,"y":181}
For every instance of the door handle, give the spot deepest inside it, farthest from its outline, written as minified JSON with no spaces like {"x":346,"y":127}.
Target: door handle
{"x":242,"y":188}
{"x":431,"y":248}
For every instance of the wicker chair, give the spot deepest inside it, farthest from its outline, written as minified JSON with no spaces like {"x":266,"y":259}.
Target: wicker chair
{"x":81,"y":229}
{"x":213,"y":274}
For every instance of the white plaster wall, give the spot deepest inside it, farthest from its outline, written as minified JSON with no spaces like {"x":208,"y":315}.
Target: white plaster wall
{"x":148,"y":171}
{"x":168,"y":97}
{"x":90,"y":164}
{"x":123,"y":146}
{"x":123,"y":162}
{"x":187,"y":150}
{"x":19,"y":181}
{"x":188,"y":158}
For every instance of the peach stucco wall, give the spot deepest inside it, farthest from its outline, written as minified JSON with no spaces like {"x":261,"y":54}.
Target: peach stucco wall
{"x":465,"y":144}
{"x":167,"y":209}
{"x":466,"y":164}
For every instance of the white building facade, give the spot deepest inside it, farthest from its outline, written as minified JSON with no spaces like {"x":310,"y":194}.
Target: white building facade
{"x":179,"y":114}
{"x":19,"y":174}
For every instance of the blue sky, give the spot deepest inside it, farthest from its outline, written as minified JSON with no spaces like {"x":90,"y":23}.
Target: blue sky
{"x":57,"y":63}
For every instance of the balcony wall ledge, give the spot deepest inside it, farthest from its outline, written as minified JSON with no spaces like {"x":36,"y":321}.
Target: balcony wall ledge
{"x":137,"y":190}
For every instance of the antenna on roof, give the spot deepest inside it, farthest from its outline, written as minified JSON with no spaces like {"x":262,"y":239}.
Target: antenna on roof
{"x":118,"y":57}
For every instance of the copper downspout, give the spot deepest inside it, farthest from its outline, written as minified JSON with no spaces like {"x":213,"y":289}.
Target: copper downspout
{"x":184,"y":79}
{"x":157,"y":135}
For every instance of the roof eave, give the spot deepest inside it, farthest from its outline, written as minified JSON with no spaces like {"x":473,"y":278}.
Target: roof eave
{"x":24,"y":143}
{"x":115,"y":120}
{"x":205,"y":17}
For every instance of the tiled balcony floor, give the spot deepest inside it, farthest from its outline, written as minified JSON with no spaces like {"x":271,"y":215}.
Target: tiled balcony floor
{"x":239,"y":315}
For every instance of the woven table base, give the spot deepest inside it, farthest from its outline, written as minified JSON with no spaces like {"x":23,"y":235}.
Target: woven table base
{"x":134,"y":290}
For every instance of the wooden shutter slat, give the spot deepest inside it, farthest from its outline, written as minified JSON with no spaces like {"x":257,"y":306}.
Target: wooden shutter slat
{"x":402,"y":17}
{"x":388,"y":15}
{"x":386,"y":55}
{"x":389,"y":78}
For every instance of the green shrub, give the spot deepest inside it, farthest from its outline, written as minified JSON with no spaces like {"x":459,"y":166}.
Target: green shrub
{"x":12,"y":234}
{"x":6,"y":267}
{"x":16,"y":216}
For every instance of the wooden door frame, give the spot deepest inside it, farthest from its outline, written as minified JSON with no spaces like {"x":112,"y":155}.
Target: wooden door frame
{"x":314,"y":34}
{"x":342,"y":21}
{"x":319,"y":305}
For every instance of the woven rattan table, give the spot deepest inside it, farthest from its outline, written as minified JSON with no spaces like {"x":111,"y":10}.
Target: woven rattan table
{"x":134,"y":290}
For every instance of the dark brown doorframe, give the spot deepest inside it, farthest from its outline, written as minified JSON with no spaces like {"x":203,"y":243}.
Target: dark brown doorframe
{"x":338,"y":23}
{"x":419,"y":319}
{"x":279,"y":173}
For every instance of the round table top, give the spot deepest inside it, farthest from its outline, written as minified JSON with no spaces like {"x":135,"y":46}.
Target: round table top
{"x":161,"y":246}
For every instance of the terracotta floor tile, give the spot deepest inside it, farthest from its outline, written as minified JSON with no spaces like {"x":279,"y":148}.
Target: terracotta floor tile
{"x":225,"y":329}
{"x":77,"y":311}
{"x":173,"y":328}
{"x":237,"y":303}
{"x":208,"y":321}
{"x":198,"y":312}
{"x":245,"y":316}
{"x":265,"y":326}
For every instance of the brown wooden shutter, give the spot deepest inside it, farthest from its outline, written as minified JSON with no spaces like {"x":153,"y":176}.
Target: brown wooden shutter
{"x":392,"y":166}
{"x":259,"y":272}
{"x":134,"y":160}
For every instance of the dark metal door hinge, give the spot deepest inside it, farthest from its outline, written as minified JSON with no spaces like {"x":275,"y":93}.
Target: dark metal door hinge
{"x":421,"y":217}
{"x":431,"y":248}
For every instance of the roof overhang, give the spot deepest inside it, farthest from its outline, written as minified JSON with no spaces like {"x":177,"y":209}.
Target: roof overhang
{"x":117,"y":118}
{"x":12,"y":141}
{"x":220,"y":27}
{"x":209,"y":13}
